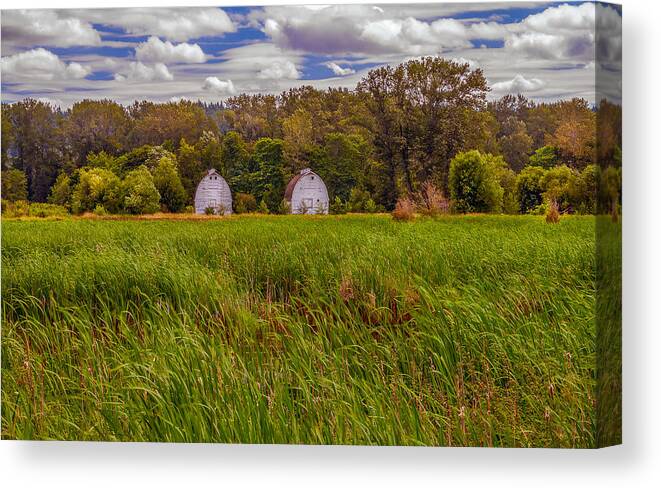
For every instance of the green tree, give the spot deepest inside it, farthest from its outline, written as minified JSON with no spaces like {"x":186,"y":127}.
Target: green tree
{"x":474,"y":183}
{"x":191,"y":169}
{"x":14,"y":185}
{"x":95,"y":126}
{"x":545,"y":157}
{"x":516,"y":144}
{"x":270,"y":180}
{"x":342,"y":163}
{"x":96,"y":186}
{"x":140,"y":195}
{"x":529,"y":188}
{"x":585,"y":190}
{"x":558,"y":184}
{"x":168,"y":184}
{"x":234,"y":155}
{"x":60,"y":192}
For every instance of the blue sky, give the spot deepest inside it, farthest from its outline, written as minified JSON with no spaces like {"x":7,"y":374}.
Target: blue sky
{"x":544,"y":50}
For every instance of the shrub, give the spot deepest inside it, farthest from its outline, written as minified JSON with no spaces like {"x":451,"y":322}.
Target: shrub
{"x":284,"y":208}
{"x":140,"y":194}
{"x":60,"y":193}
{"x":358,"y":200}
{"x":46,"y":210}
{"x":14,"y":185}
{"x":209,"y":211}
{"x":370,"y":206}
{"x":552,"y":213}
{"x":558,"y":184}
{"x":430,"y":200}
{"x":100,"y":211}
{"x":404,"y":209}
{"x":189,"y":209}
{"x":97,"y":186}
{"x":338,"y":207}
{"x":168,"y":183}
{"x":529,"y":188}
{"x":263,"y":207}
{"x":18,"y":208}
{"x":473,"y":182}
{"x":244,"y":203}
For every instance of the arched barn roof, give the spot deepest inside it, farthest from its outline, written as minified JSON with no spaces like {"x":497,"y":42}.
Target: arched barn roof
{"x":289,"y":191}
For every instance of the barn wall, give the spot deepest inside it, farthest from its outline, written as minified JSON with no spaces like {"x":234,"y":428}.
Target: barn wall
{"x":311,"y":189}
{"x":214,"y":193}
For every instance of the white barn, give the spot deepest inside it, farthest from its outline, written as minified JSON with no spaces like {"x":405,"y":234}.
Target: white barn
{"x":213,"y":192}
{"x":306,"y":193}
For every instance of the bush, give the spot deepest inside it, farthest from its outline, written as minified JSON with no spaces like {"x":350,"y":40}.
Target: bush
{"x":209,"y":211}
{"x":47,"y":210}
{"x":558,"y":184}
{"x":358,"y":201}
{"x":430,"y":200}
{"x":60,"y":192}
{"x":284,"y":208}
{"x":14,"y":185}
{"x":263,"y":207}
{"x":23,"y":208}
{"x":473,"y":182}
{"x":97,"y":186}
{"x":404,"y":209}
{"x":338,"y":207}
{"x":140,"y":194}
{"x":529,"y":188}
{"x":18,"y":208}
{"x":244,"y":203}
{"x":552,"y":213}
{"x":189,"y":209}
{"x":169,"y":186}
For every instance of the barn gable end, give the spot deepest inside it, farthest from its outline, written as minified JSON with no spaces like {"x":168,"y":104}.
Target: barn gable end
{"x":213,"y":192}
{"x":307,"y":193}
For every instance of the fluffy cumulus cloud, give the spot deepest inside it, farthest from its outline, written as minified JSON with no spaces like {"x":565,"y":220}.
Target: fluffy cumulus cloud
{"x":157,"y":51}
{"x":138,"y":71}
{"x":279,"y":70}
{"x":518,"y":84}
{"x":47,"y":28}
{"x":350,"y":29}
{"x":339,"y":70}
{"x":565,"y":32}
{"x":41,"y":64}
{"x":174,"y":24}
{"x":220,"y":87}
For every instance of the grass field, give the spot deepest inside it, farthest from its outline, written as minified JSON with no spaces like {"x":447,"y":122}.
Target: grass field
{"x":474,"y":330}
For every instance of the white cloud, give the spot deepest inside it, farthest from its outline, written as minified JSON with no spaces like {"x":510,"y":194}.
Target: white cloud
{"x":279,"y":70}
{"x":41,"y":64}
{"x":46,"y":27}
{"x":220,"y":87}
{"x":566,"y":32}
{"x":138,"y":71}
{"x":519,"y":84}
{"x":352,"y":29}
{"x":339,"y":70}
{"x":157,"y":51}
{"x":175,"y":24}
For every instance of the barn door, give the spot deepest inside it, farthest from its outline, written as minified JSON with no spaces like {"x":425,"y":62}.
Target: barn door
{"x":309,"y":204}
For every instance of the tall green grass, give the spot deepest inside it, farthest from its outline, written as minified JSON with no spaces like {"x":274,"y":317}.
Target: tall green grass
{"x":468,"y":330}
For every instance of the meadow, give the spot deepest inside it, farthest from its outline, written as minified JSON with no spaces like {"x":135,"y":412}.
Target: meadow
{"x":354,"y":329}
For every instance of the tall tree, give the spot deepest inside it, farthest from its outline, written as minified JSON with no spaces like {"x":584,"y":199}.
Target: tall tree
{"x":94,"y":126}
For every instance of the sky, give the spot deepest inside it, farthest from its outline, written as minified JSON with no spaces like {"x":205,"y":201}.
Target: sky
{"x":544,"y":50}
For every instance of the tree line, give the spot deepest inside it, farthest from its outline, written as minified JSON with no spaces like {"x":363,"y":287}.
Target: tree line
{"x":424,"y":122}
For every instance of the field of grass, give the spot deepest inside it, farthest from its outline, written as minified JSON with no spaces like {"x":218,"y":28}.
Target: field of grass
{"x":473,"y":330}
